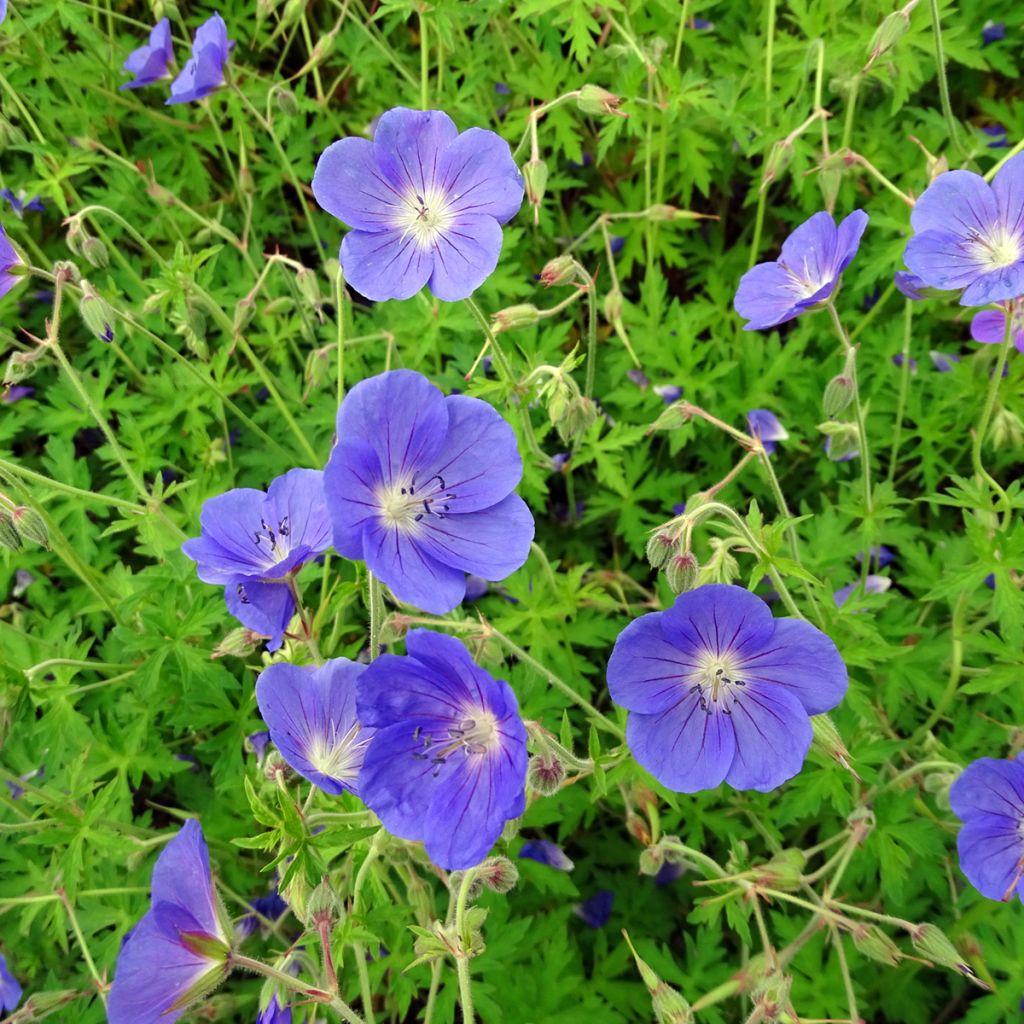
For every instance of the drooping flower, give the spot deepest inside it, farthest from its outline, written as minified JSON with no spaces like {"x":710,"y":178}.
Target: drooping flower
{"x":16,"y":392}
{"x":992,"y":32}
{"x":149,"y":63}
{"x":19,"y":203}
{"x":597,"y":909}
{"x":969,"y":235}
{"x":668,"y":393}
{"x":804,"y":276}
{"x":10,"y":990}
{"x":265,"y":908}
{"x":718,"y":690}
{"x":275,"y":1013}
{"x":204,"y":71}
{"x":425,"y":204}
{"x":421,"y":487}
{"x":252,"y":538}
{"x":988,"y":797}
{"x":258,"y":742}
{"x":943,"y":361}
{"x":180,"y":949}
{"x":765,"y":426}
{"x":311,"y":715}
{"x":447,"y":763}
{"x":545,"y":852}
{"x":874,"y":584}
{"x":9,"y":258}
{"x":989,"y":326}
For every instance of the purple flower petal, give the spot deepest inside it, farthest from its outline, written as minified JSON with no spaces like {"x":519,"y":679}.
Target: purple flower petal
{"x":149,"y":63}
{"x":385,"y":264}
{"x":545,"y":852}
{"x":465,"y":254}
{"x":991,"y":852}
{"x":350,"y":185}
{"x":410,"y":145}
{"x":597,"y":909}
{"x":989,"y":786}
{"x":773,"y":735}
{"x":478,"y":172}
{"x":10,"y":990}
{"x":265,"y":608}
{"x":8,"y":258}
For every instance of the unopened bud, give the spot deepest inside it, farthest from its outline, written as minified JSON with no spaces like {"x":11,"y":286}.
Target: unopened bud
{"x":20,"y":367}
{"x":9,"y":536}
{"x":779,"y":157}
{"x":668,"y":1005}
{"x":42,"y":1004}
{"x":660,"y":548}
{"x":244,"y":312}
{"x":95,"y":252}
{"x":1007,"y":431}
{"x":932,"y":944}
{"x":545,"y":773}
{"x":512,"y":317}
{"x":98,"y":316}
{"x":29,"y":523}
{"x":889,"y":33}
{"x":598,"y":102}
{"x":535,"y":180}
{"x":239,"y":643}
{"x":74,"y":237}
{"x":323,"y":909}
{"x":285,"y":100}
{"x":830,"y":743}
{"x":652,"y":860}
{"x":499,"y":874}
{"x":66,"y":270}
{"x":681,"y":572}
{"x":309,"y":286}
{"x":830,"y":177}
{"x":576,"y":417}
{"x":194,"y":331}
{"x":613,"y":305}
{"x":275,"y":767}
{"x":870,"y":940}
{"x":638,"y":828}
{"x":838,"y":395}
{"x":560,"y":270}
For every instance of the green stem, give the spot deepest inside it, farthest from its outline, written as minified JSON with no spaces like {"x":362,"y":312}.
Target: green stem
{"x":755,"y":241}
{"x":304,"y":618}
{"x":940,"y":67}
{"x":955,"y":670}
{"x":296,"y":985}
{"x":12,"y":468}
{"x":769,"y":57}
{"x":435,"y":981}
{"x":375,"y":603}
{"x":851,"y":111}
{"x":339,"y":313}
{"x":101,"y":987}
{"x":901,"y":401}
{"x":424,"y":63}
{"x":504,"y":366}
{"x":462,"y":956}
{"x":991,"y":395}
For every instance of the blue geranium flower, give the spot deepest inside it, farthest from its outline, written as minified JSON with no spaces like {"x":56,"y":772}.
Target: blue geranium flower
{"x":10,"y":990}
{"x":597,"y":909}
{"x":765,"y":426}
{"x":8,"y":258}
{"x":269,"y":907}
{"x":719,"y":690}
{"x":989,"y":325}
{"x":988,"y":797}
{"x":149,"y":63}
{"x":804,"y":276}
{"x":311,"y":715}
{"x":421,"y":487}
{"x":252,"y":540}
{"x":180,"y":949}
{"x":204,"y":71}
{"x":425,"y":204}
{"x":447,"y":763}
{"x":545,"y":852}
{"x":19,"y":204}
{"x":874,"y":584}
{"x":969,"y":235}
{"x":275,"y":1013}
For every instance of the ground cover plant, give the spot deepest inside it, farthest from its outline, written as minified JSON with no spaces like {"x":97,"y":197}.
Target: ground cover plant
{"x":511,"y":511}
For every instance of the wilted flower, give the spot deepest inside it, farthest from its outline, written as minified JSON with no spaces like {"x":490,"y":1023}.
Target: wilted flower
{"x":420,"y":486}
{"x":252,"y":538}
{"x":447,"y":763}
{"x":149,"y":63}
{"x":872,"y":585}
{"x":425,"y":203}
{"x":969,"y":235}
{"x":597,"y":909}
{"x":10,"y":990}
{"x":988,"y":797}
{"x":989,"y":326}
{"x":719,"y":690}
{"x":311,"y":715}
{"x":545,"y":852}
{"x":8,"y":259}
{"x":765,"y":426}
{"x":204,"y":71}
{"x":805,"y":274}
{"x":179,"y":951}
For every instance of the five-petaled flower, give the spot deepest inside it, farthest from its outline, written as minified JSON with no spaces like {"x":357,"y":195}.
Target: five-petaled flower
{"x":969,"y":235}
{"x":8,"y":258}
{"x":989,"y":326}
{"x":204,"y":71}
{"x":719,"y":690}
{"x":149,"y":63}
{"x":251,"y":540}
{"x":180,"y":950}
{"x":311,"y":715}
{"x":420,"y":486}
{"x":447,"y":763}
{"x":425,"y":203}
{"x":765,"y":426}
{"x":805,"y":275}
{"x":988,"y":797}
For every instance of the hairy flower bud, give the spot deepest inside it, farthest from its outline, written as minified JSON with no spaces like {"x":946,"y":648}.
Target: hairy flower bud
{"x":535,"y":179}
{"x":663,"y":211}
{"x":894,"y":26}
{"x":323,"y":909}
{"x":499,"y":874}
{"x":660,"y":547}
{"x":668,"y":1005}
{"x":933,"y":945}
{"x":838,"y":395}
{"x":545,"y":773}
{"x":239,"y":643}
{"x":830,"y":743}
{"x":652,"y":860}
{"x":95,"y":252}
{"x":9,"y":536}
{"x":285,"y":100}
{"x":1006,"y":431}
{"x":508,"y":319}
{"x":870,"y":940}
{"x":560,"y":270}
{"x":830,"y":177}
{"x":98,"y":316}
{"x":29,"y":523}
{"x":309,"y":286}
{"x":681,"y":572}
{"x":597,"y":102}
{"x":575,"y":417}
{"x":778,"y":159}
{"x":613,"y":305}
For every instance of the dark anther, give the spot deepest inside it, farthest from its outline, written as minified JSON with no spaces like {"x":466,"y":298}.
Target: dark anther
{"x":243,"y":597}
{"x":416,"y":733}
{"x":256,"y":538}
{"x":419,"y":757}
{"x":416,"y":519}
{"x":426,"y":505}
{"x":283,"y":528}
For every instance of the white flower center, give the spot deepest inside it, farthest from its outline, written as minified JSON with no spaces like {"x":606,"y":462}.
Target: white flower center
{"x":425,"y":216}
{"x":273,"y":540}
{"x":998,"y":249}
{"x":717,"y":684}
{"x":404,"y":503}
{"x":338,"y":757}
{"x":475,"y":734}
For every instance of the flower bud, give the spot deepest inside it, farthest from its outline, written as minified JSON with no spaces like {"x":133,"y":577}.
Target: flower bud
{"x":575,"y":417}
{"x":681,"y":572}
{"x":323,"y":909}
{"x":67,"y":271}
{"x":545,"y":773}
{"x":933,"y":945}
{"x":285,"y":100}
{"x":560,"y":270}
{"x":613,"y":305}
{"x":660,"y":548}
{"x":508,"y":319}
{"x":1006,"y":431}
{"x":668,"y":1005}
{"x":98,"y":316}
{"x":662,"y":211}
{"x":838,"y":395}
{"x":74,"y":236}
{"x":9,"y":536}
{"x":870,"y":940}
{"x":95,"y":252}
{"x":239,"y":643}
{"x":889,"y":33}
{"x":21,"y":366}
{"x":830,"y":177}
{"x":244,"y":312}
{"x":535,"y":179}
{"x":194,"y":332}
{"x":597,"y":102}
{"x":638,"y":828}
{"x":830,"y":743}
{"x":29,"y":523}
{"x":309,"y":286}
{"x":652,"y":860}
{"x":779,"y":157}
{"x":785,"y":870}
{"x":499,"y":874}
